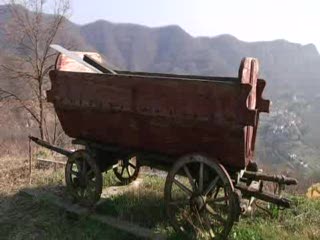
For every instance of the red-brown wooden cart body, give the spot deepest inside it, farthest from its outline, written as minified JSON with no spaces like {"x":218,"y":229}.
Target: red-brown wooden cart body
{"x":164,"y":113}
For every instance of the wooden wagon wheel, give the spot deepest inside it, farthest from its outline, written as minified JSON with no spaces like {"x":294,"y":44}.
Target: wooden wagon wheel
{"x":200,"y":198}
{"x":83,"y":178}
{"x":127,"y":170}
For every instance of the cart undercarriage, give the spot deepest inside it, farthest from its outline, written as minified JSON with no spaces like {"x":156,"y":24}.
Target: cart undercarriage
{"x":200,"y":195}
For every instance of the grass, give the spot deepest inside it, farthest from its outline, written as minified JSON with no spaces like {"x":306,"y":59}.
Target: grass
{"x":302,"y":221}
{"x":137,"y":203}
{"x":145,"y":206}
{"x":24,"y":218}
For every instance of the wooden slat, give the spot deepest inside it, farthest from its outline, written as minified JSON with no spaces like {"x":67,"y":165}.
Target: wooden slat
{"x":49,"y":160}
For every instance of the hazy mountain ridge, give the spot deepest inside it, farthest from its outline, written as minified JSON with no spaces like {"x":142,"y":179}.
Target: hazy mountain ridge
{"x":171,"y":49}
{"x":173,"y":44}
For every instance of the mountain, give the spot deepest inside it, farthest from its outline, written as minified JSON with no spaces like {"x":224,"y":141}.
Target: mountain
{"x":171,"y":49}
{"x":292,"y":72}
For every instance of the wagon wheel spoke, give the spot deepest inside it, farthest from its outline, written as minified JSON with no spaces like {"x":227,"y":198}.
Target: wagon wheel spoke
{"x":211,"y":186}
{"x":179,"y":202}
{"x":201,"y":177}
{"x":83,"y":178}
{"x":218,"y":200}
{"x":217,"y":192}
{"x":190,"y":178}
{"x":206,"y":191}
{"x":74,"y":172}
{"x":182,"y":187}
{"x":205,"y":225}
{"x":193,"y":220}
{"x":122,"y":170}
{"x":208,"y":225}
{"x":131,"y":165}
{"x":128,"y":171}
{"x":188,"y":217}
{"x":215,"y":215}
{"x":199,"y":220}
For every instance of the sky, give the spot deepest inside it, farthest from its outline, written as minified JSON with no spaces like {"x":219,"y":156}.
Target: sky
{"x":248,"y":20}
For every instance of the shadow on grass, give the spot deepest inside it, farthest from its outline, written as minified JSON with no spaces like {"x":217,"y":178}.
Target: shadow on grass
{"x":25,"y":217}
{"x":142,"y":205}
{"x":145,"y":209}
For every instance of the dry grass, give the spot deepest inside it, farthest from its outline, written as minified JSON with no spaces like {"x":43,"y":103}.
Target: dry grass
{"x":22,"y":217}
{"x":13,"y":174}
{"x":142,"y":204}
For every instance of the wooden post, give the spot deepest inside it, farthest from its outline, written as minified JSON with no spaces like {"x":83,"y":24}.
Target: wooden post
{"x":30,"y":161}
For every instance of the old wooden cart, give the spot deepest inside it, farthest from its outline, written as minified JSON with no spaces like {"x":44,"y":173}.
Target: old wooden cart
{"x":200,"y":129}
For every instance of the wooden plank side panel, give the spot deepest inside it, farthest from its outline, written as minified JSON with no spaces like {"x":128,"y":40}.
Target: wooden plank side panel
{"x":156,"y":97}
{"x":156,"y":134}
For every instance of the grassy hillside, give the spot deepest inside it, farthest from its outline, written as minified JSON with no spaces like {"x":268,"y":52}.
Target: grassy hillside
{"x":23,"y":217}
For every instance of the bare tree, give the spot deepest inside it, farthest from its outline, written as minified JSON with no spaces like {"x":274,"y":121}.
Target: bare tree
{"x":30,"y":31}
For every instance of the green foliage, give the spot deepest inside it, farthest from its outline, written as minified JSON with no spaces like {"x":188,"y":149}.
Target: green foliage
{"x":274,"y":210}
{"x":301,"y":222}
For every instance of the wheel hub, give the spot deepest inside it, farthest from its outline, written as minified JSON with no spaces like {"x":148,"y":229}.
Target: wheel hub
{"x":197,"y":202}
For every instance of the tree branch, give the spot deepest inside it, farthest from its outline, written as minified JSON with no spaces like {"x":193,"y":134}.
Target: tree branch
{"x":12,"y":95}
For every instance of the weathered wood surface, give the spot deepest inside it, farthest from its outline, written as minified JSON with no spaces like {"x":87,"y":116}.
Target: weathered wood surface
{"x":141,"y":232}
{"x":169,"y":114}
{"x":65,"y":63}
{"x":50,"y":161}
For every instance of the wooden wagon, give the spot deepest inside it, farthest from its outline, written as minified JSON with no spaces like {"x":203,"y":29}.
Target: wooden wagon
{"x":200,"y":129}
